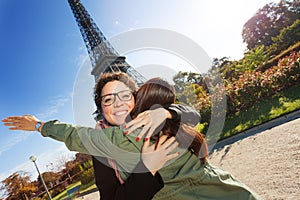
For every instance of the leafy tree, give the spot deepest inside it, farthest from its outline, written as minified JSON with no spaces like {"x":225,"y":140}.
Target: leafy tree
{"x":287,"y":37}
{"x":253,"y":59}
{"x":219,"y":63}
{"x":69,"y":166}
{"x":50,"y":178}
{"x":83,"y":161}
{"x":268,"y":21}
{"x":225,"y":67}
{"x":87,"y":176}
{"x":181,"y":79}
{"x":82,"y":158}
{"x":52,"y":181}
{"x":18,"y":186}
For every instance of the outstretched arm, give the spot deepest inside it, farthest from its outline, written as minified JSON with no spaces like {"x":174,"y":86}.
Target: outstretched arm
{"x":110,"y":142}
{"x":152,"y":159}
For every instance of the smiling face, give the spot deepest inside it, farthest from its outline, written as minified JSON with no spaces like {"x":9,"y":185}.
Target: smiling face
{"x":117,"y":112}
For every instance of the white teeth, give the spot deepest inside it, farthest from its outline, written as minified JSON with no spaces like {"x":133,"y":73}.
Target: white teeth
{"x":121,"y":113}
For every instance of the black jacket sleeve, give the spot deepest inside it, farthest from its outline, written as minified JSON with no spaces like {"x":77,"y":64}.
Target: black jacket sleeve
{"x":184,"y":114}
{"x":137,"y":186}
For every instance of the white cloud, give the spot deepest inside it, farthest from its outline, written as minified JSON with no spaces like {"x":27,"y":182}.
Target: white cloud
{"x":55,"y":104}
{"x":14,"y":138}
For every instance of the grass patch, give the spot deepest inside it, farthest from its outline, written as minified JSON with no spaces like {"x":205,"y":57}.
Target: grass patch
{"x":83,"y":188}
{"x":64,"y":193}
{"x":280,"y":104}
{"x":87,"y":187}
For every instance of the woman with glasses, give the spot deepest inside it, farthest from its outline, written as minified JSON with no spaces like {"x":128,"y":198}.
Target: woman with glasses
{"x":114,"y":96}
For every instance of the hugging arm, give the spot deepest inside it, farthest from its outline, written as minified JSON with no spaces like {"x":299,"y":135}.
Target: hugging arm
{"x":152,"y":121}
{"x":184,"y":114}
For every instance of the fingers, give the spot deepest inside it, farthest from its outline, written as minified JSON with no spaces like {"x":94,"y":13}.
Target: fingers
{"x":132,"y":122}
{"x":149,"y":121}
{"x":155,"y":158}
{"x":172,"y":147}
{"x":147,"y":147}
{"x":150,"y":132}
{"x":15,"y":128}
{"x":168,"y":145}
{"x":143,"y":132}
{"x":10,"y":123}
{"x":13,"y":125}
{"x":16,"y":118}
{"x":142,"y":116}
{"x":11,"y":119}
{"x":171,"y":156}
{"x":25,"y":122}
{"x":138,"y":122}
{"x":162,"y":139}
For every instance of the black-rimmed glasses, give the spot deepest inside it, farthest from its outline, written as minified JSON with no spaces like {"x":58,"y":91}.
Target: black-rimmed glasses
{"x":109,"y":99}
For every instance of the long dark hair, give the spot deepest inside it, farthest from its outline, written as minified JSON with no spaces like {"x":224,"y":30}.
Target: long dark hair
{"x":156,"y":91}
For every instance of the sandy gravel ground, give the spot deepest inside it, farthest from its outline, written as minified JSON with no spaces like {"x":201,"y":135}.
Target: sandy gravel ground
{"x":268,"y":162}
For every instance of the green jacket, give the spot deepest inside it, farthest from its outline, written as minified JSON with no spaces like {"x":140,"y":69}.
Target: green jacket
{"x":185,"y":178}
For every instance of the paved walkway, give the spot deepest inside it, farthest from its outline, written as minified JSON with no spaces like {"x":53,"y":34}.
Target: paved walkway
{"x":268,"y":162}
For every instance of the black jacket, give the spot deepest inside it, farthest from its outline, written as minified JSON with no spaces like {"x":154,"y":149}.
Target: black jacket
{"x":138,"y":186}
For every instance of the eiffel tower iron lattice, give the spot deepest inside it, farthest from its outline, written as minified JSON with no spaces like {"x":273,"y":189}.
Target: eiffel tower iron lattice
{"x":103,"y":57}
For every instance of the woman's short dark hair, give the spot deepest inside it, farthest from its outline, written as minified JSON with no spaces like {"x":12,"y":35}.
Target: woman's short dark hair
{"x":108,"y":77}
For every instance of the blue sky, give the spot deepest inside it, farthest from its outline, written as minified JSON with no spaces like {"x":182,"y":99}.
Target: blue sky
{"x":42,"y":51}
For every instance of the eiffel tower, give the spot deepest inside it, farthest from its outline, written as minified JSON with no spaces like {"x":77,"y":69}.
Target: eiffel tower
{"x":103,"y":56}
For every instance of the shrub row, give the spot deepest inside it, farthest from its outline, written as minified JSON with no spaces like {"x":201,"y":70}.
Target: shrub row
{"x":251,"y":87}
{"x":254,"y":86}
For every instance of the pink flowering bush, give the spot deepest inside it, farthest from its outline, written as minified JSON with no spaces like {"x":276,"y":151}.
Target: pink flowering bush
{"x":250,"y":87}
{"x":254,"y":86}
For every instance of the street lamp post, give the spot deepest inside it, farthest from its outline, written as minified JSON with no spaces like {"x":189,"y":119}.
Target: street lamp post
{"x":33,"y":159}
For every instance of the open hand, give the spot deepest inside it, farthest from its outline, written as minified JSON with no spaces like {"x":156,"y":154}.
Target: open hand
{"x":154,"y":157}
{"x":149,"y":121}
{"x":25,"y":122}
